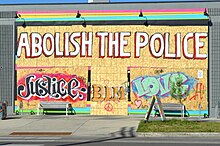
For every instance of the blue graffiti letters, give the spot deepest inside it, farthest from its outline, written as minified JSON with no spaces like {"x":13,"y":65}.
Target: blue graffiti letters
{"x":176,"y":84}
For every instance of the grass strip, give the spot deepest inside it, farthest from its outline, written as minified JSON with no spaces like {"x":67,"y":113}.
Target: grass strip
{"x":175,"y":125}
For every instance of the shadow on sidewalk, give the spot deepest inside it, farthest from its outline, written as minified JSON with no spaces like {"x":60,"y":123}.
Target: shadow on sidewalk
{"x":122,"y":134}
{"x":6,"y":143}
{"x":11,"y":118}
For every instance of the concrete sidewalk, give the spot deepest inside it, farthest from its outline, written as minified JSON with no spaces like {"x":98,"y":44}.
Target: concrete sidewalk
{"x":84,"y":125}
{"x":78,"y":125}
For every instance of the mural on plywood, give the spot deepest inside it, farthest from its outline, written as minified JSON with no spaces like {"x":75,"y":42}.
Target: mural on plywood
{"x":51,"y":84}
{"x":112,"y":100}
{"x":109,"y":50}
{"x":170,"y":87}
{"x":51,"y":87}
{"x":176,"y":85}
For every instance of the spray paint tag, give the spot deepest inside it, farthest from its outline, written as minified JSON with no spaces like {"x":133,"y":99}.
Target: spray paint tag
{"x":200,"y":74}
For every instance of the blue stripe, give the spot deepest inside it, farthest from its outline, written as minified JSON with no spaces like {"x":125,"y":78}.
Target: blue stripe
{"x":112,"y":18}
{"x":77,"y":110}
{"x":191,"y":112}
{"x":82,"y":109}
{"x":136,"y":110}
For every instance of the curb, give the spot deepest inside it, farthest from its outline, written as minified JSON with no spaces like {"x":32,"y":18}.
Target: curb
{"x":178,"y":134}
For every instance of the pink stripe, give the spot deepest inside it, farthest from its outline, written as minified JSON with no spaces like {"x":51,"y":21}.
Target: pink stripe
{"x":38,"y":12}
{"x":112,"y":11}
{"x":175,"y":10}
{"x":41,"y":67}
{"x":156,"y":10}
{"x":89,"y":67}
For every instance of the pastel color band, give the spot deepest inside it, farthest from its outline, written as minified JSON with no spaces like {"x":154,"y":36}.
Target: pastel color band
{"x":111,"y":15}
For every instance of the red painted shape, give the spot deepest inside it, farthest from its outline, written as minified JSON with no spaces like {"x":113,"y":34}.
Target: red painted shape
{"x":108,"y":107}
{"x":198,"y":93}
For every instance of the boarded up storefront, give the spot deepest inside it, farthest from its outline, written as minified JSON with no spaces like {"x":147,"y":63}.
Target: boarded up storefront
{"x":112,"y":69}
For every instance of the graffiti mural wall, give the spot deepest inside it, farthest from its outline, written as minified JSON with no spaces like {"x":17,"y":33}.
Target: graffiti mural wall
{"x":53,"y":64}
{"x":112,"y":99}
{"x":51,"y":84}
{"x":52,"y":87}
{"x":188,"y":87}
